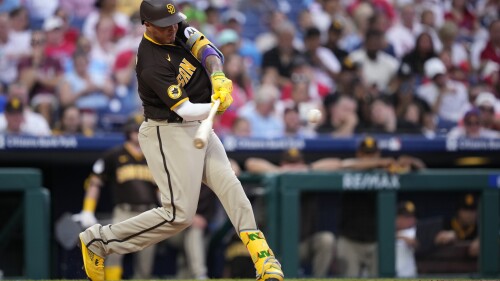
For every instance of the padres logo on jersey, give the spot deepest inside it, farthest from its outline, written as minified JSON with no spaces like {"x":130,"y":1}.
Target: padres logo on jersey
{"x":171,"y":9}
{"x":174,"y":92}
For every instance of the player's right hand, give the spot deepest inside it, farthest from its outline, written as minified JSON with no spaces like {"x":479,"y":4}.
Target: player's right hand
{"x":85,"y":218}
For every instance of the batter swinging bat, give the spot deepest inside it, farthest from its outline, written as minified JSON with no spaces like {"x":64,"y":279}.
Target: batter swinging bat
{"x":201,"y":137}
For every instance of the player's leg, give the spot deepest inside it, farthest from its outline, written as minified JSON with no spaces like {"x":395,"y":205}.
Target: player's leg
{"x":219,"y":176}
{"x":371,"y":258}
{"x":144,"y":263}
{"x":322,"y":244}
{"x":177,"y":170}
{"x":348,"y":257}
{"x":194,"y":248}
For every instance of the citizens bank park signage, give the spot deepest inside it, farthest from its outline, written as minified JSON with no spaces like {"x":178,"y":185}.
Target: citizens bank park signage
{"x":364,"y":181}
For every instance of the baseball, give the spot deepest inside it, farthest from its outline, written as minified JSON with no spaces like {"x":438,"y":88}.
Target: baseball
{"x":314,"y":116}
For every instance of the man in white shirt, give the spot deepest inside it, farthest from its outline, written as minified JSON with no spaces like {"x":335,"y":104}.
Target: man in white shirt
{"x":447,"y":98}
{"x":402,"y":34}
{"x":377,"y":67}
{"x":31,"y":123}
{"x":12,"y":48}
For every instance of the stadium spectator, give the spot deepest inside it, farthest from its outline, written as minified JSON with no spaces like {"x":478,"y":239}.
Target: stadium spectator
{"x":464,"y":18}
{"x":334,"y":35}
{"x":265,"y":120}
{"x":428,"y":24}
{"x":341,"y":119}
{"x":241,"y":128}
{"x":448,"y":33}
{"x":268,"y":39}
{"x":417,"y":57}
{"x":487,"y":104}
{"x":406,"y":242}
{"x":70,"y":122}
{"x":385,"y":121}
{"x":85,"y":89}
{"x":20,"y":24}
{"x":127,"y":7}
{"x":447,"y":98}
{"x":18,"y":118}
{"x":462,"y":226}
{"x":377,"y":67}
{"x":106,"y":9}
{"x":33,"y":123}
{"x":42,"y":75}
{"x":57,"y":45}
{"x":316,"y":247}
{"x":402,"y":34}
{"x":78,"y":10}
{"x":13,"y":48}
{"x":322,"y":60}
{"x":302,"y":72}
{"x":278,"y":60}
{"x":213,"y":24}
{"x":71,"y":33}
{"x":39,"y":10}
{"x":295,"y":126}
{"x":353,"y":38}
{"x":104,"y":49}
{"x":472,"y":128}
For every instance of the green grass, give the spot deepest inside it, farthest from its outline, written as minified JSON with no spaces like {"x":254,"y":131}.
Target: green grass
{"x":311,"y":279}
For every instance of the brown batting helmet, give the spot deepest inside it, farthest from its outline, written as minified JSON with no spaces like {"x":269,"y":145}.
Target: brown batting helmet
{"x":161,"y":13}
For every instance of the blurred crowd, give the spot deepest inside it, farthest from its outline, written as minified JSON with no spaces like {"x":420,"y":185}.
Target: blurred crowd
{"x":425,"y":67}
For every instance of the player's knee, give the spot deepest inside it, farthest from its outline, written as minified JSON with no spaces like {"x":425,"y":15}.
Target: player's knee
{"x":326,"y":239}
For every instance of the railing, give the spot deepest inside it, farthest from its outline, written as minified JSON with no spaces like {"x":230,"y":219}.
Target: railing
{"x":283,"y":201}
{"x":36,"y":210}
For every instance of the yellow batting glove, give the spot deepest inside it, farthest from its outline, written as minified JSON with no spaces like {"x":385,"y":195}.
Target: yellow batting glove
{"x":221,"y":86}
{"x":228,"y":100}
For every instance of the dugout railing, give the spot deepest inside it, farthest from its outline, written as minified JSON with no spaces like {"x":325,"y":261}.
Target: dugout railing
{"x":283,"y":208}
{"x":34,"y":214}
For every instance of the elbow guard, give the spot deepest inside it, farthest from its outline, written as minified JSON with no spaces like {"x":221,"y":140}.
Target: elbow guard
{"x":196,"y":41}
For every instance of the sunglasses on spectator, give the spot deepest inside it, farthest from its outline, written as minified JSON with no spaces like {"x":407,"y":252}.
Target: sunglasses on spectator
{"x":488,"y":109}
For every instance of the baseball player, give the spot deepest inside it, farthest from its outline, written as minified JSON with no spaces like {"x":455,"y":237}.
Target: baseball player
{"x":179,"y":74}
{"x":125,"y":171}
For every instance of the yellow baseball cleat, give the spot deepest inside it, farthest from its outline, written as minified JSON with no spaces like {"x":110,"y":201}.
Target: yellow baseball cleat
{"x":271,"y":270}
{"x":267,"y":266}
{"x":92,"y":263}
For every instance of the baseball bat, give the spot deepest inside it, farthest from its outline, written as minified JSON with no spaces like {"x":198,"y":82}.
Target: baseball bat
{"x":201,"y":136}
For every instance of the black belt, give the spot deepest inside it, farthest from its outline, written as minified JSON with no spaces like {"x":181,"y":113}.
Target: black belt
{"x":168,"y":120}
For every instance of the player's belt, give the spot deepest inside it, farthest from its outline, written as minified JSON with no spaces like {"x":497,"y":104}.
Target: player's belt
{"x":139,"y":208}
{"x":169,"y":120}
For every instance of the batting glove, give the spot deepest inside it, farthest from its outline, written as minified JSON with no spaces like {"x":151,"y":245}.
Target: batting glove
{"x":85,"y":218}
{"x":221,"y":85}
{"x":228,"y":100}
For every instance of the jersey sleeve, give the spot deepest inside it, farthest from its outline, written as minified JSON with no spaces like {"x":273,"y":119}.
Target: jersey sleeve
{"x":103,"y":167}
{"x":163,"y":82}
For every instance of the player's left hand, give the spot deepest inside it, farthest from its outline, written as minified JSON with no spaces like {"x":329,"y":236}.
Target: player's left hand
{"x":221,"y":86}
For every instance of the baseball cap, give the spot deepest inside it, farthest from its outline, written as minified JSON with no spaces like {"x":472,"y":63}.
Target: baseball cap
{"x":433,"y":67}
{"x":52,"y":23}
{"x":14,"y":105}
{"x":349,"y":65}
{"x":227,"y":36}
{"x":161,"y":13}
{"x":292,"y":155}
{"x":368,"y":145}
{"x":406,"y":208}
{"x":468,"y":202}
{"x":235,"y":15}
{"x":336,"y":26}
{"x":485,"y":98}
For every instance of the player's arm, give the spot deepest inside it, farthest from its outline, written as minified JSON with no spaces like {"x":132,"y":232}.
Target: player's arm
{"x":92,"y":192}
{"x":366,"y":164}
{"x":212,"y":60}
{"x":260,"y":166}
{"x":326,"y":164}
